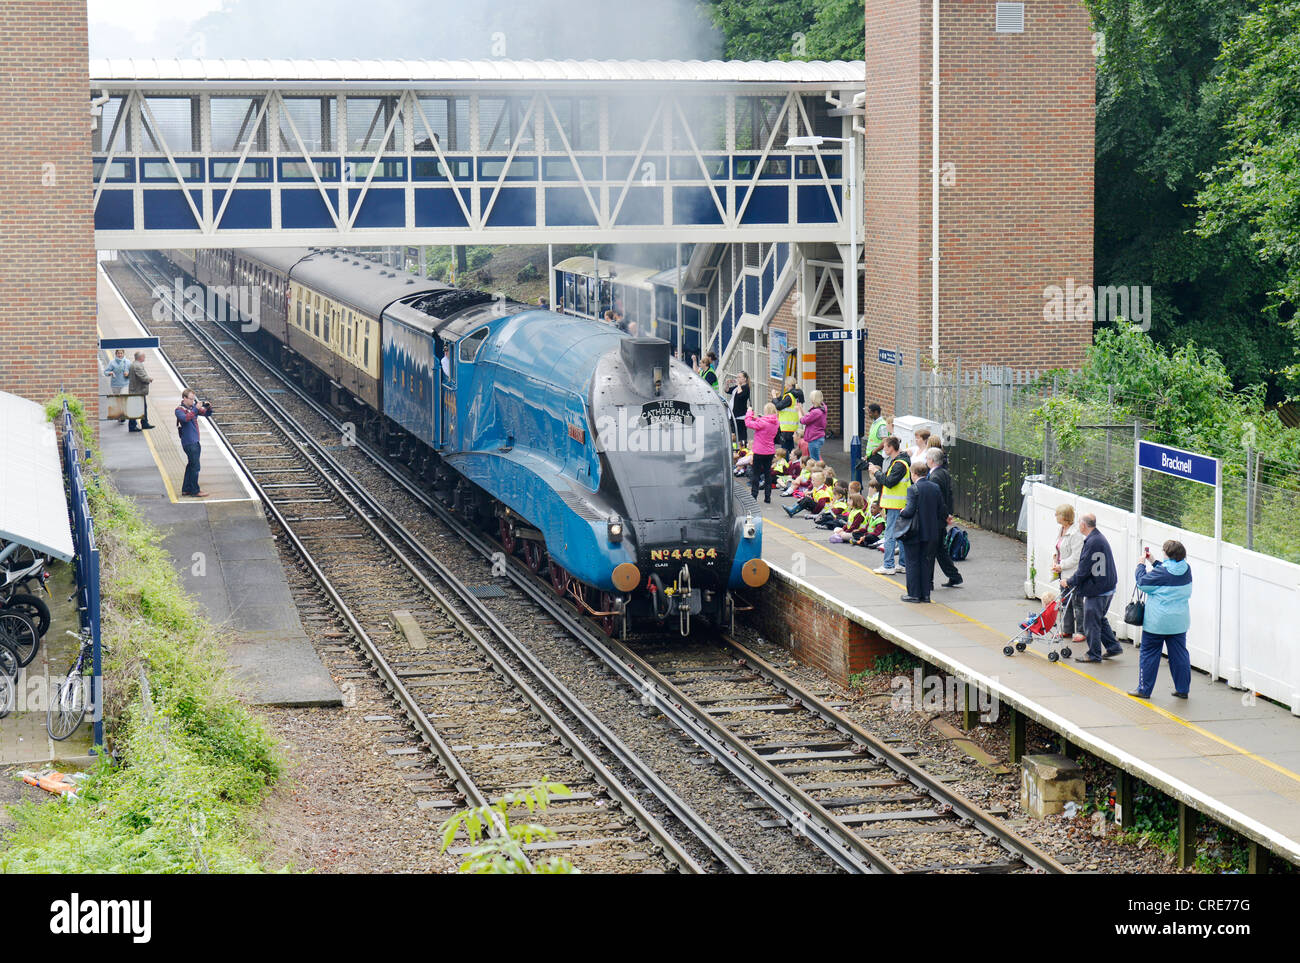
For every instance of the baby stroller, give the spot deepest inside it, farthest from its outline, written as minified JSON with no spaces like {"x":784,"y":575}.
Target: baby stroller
{"x":1043,"y":626}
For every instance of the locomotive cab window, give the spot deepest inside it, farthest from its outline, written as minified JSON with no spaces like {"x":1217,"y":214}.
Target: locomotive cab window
{"x":469,"y":346}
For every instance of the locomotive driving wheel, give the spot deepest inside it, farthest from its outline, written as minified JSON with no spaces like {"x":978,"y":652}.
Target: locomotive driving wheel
{"x":559,"y":579}
{"x":534,"y":555}
{"x":508,"y":540}
{"x":608,"y":623}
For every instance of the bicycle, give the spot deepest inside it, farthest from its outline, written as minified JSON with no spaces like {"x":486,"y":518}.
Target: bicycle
{"x":16,"y":631}
{"x":19,"y":634}
{"x":15,"y":579}
{"x":68,"y":707}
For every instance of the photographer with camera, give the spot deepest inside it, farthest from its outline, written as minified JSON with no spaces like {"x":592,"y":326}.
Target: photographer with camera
{"x":187,"y":424}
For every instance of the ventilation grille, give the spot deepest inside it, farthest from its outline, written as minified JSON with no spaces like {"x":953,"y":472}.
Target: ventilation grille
{"x":1010,"y":18}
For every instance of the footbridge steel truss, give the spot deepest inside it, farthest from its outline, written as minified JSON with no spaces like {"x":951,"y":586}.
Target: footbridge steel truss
{"x":225,"y":153}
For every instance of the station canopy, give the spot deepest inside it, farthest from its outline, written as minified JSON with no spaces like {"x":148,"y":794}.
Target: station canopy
{"x":33,"y":510}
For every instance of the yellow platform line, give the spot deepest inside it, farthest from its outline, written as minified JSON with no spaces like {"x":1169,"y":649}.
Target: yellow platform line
{"x":1164,"y":713}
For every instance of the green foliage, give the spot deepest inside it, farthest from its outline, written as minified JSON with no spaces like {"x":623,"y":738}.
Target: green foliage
{"x":1161,"y":122}
{"x":790,"y":29}
{"x":1255,"y":187}
{"x":498,"y":842}
{"x":888,"y":663}
{"x":192,"y":761}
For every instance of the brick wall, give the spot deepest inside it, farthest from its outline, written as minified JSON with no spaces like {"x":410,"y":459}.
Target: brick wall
{"x":1016,"y":124}
{"x":815,"y":631}
{"x":47,"y":251}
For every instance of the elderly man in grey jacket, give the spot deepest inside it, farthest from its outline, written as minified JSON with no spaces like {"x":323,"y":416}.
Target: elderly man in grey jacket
{"x":138,"y":384}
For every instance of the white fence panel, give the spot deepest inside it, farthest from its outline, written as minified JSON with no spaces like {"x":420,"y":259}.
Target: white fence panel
{"x":1245,"y":611}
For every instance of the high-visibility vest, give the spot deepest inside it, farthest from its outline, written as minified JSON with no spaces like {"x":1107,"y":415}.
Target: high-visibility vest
{"x":875,"y":524}
{"x":788,"y":417}
{"x":840,"y":506}
{"x":826,"y":493}
{"x":778,"y":466}
{"x":853,"y":516}
{"x":896,"y":495}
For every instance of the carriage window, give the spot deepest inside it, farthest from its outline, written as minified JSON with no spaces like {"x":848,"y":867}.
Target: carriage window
{"x":469,"y":346}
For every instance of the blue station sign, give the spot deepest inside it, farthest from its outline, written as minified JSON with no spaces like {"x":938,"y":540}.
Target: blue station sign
{"x":1179,"y":463}
{"x":886,"y":356}
{"x":834,"y":334}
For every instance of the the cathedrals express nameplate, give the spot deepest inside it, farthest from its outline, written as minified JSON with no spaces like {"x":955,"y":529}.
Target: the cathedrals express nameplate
{"x":666,"y":413}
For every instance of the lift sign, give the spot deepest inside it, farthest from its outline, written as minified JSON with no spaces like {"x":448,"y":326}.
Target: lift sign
{"x":666,"y":413}
{"x":1179,"y":463}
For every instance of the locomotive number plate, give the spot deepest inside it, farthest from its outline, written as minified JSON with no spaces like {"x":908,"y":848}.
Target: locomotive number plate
{"x":677,"y":554}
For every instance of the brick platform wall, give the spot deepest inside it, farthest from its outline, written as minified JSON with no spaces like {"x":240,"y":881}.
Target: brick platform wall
{"x":1016,"y":126}
{"x":47,"y":249}
{"x":815,"y":631}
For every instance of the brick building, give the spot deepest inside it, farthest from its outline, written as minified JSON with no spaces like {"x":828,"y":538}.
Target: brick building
{"x":47,"y":250}
{"x":1016,"y":112}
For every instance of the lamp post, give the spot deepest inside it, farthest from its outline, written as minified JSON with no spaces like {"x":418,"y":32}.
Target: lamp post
{"x":851,"y":276}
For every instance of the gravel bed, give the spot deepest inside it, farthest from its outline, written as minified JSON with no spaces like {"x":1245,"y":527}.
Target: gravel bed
{"x":1070,"y":841}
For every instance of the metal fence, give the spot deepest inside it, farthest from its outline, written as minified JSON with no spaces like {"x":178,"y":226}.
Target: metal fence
{"x":86,"y":561}
{"x":1005,"y":409}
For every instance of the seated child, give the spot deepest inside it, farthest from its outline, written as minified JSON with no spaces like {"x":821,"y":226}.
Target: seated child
{"x":815,"y":500}
{"x":834,"y":513}
{"x":800,"y":486}
{"x":800,"y":446}
{"x":870,"y":532}
{"x":855,"y":519}
{"x":779,"y":467}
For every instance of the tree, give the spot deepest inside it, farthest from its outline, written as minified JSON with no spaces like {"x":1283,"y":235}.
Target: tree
{"x":1159,"y":126}
{"x":790,"y":29}
{"x":1255,"y":188}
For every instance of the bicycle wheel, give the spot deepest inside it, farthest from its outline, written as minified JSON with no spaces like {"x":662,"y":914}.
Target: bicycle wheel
{"x":32,"y":606}
{"x":68,"y":707}
{"x":8,"y":679}
{"x":20,"y":632}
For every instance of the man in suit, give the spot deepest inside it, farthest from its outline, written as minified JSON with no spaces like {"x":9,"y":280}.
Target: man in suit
{"x":138,"y":384}
{"x":925,"y":516}
{"x":938,"y":462}
{"x":1095,"y":582}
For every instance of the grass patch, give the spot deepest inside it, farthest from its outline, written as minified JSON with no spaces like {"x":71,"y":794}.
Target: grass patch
{"x":191,"y":762}
{"x":898,"y":662}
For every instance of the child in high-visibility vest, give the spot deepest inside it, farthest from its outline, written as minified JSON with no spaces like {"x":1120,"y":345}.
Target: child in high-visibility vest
{"x":803,"y":484}
{"x":870,"y":532}
{"x":816,"y":500}
{"x":834,"y":513}
{"x":744,"y":458}
{"x":779,"y":465}
{"x":854,"y":521}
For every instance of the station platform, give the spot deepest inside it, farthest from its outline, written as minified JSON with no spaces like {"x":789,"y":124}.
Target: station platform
{"x":224,"y":551}
{"x":1222,"y":752}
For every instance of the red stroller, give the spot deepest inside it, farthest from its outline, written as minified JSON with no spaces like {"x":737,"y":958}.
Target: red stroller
{"x":1042,"y":626}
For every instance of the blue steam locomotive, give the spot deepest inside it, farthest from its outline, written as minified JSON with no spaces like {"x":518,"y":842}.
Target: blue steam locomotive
{"x":593,"y":456}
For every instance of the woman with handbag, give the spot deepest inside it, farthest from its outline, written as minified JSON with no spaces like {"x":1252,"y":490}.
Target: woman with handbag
{"x":1165,"y":620}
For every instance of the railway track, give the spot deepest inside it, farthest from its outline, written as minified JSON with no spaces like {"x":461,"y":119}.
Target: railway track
{"x":487,"y":724}
{"x":862,"y":802}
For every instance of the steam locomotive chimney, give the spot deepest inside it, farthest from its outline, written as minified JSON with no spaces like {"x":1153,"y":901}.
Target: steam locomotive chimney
{"x":646,"y":360}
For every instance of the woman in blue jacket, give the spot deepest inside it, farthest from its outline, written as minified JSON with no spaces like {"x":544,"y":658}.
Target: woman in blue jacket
{"x":1168,"y":587}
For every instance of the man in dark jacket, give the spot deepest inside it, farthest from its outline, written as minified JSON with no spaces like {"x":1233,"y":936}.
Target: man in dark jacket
{"x":138,"y":381}
{"x":925,"y":516}
{"x":1095,"y":582}
{"x":188,"y":413}
{"x":938,"y":462}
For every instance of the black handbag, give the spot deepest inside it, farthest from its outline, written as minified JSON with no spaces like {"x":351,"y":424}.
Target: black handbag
{"x":1136,"y":610}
